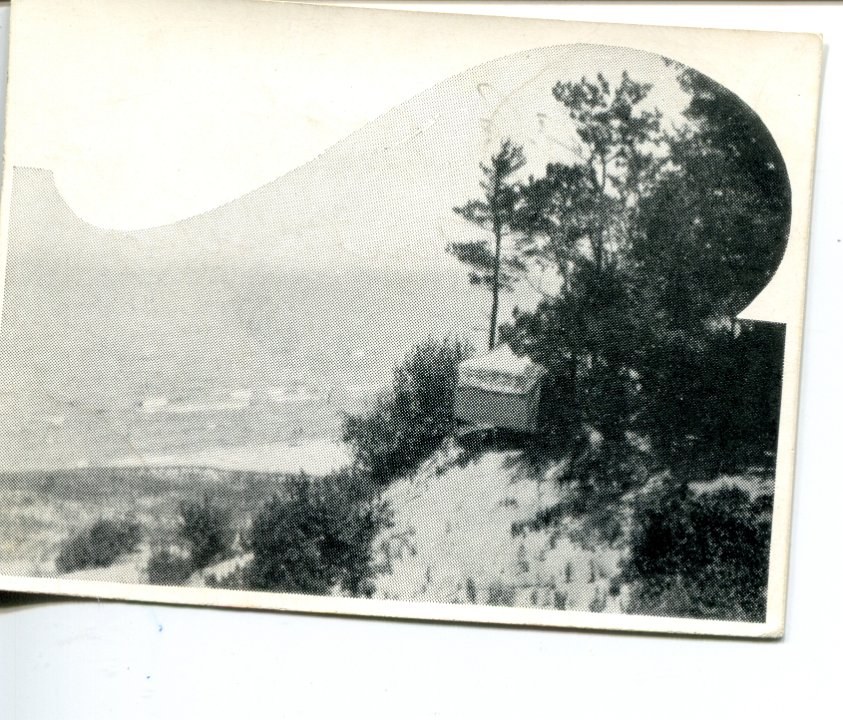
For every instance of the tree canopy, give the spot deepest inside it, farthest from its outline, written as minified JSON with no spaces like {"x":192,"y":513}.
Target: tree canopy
{"x":659,"y":237}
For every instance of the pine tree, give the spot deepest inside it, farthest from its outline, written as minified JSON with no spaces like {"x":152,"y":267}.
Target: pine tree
{"x":493,"y":212}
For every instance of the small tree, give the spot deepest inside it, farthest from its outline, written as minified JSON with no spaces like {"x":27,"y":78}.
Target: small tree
{"x":98,"y":546}
{"x":494,"y":213}
{"x":206,"y":527}
{"x":316,"y":536}
{"x":411,"y":418}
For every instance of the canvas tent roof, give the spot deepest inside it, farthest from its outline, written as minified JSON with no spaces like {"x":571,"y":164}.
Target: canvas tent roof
{"x":500,"y":370}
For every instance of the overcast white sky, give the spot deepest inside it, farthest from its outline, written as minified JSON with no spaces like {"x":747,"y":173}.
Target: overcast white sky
{"x":157,"y":111}
{"x":145,"y":123}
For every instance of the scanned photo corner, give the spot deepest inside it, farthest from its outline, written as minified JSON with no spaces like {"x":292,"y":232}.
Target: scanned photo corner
{"x":403,"y":315}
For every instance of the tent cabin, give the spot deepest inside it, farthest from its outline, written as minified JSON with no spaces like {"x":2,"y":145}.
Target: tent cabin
{"x":499,"y":389}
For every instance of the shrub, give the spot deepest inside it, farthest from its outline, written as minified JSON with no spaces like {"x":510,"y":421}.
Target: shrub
{"x":500,"y":594}
{"x":166,"y":568}
{"x":598,"y":601}
{"x":697,"y":427}
{"x":471,"y":590}
{"x":99,"y":545}
{"x":234,"y":580}
{"x":412,"y":418}
{"x":316,"y":537}
{"x":703,"y":556}
{"x":560,"y":599}
{"x":207,"y":529}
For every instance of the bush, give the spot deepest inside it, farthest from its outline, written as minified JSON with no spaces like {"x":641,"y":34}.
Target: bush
{"x":697,"y":427}
{"x":234,"y":580}
{"x":703,"y":557}
{"x":207,"y":529}
{"x":98,"y":546}
{"x":316,"y":537}
{"x":166,"y":568}
{"x":500,"y":594}
{"x":412,"y":418}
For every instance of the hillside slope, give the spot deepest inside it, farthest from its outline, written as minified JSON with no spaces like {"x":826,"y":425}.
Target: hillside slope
{"x":452,"y":540}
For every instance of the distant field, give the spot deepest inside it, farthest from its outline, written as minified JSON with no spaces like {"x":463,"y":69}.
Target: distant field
{"x":39,"y":509}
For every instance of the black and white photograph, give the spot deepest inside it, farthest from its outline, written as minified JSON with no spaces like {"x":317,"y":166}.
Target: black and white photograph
{"x":500,"y":353}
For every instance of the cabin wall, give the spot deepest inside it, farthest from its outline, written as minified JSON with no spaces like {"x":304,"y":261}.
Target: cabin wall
{"x":503,"y":410}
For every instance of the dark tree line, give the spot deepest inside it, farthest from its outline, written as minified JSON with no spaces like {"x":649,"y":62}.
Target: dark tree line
{"x":658,"y":238}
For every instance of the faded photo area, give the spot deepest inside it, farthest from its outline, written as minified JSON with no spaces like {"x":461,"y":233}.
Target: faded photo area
{"x":485,"y":350}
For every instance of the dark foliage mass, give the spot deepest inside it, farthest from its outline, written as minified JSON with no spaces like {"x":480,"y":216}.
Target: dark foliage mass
{"x":701,"y":556}
{"x":713,"y":406}
{"x":206,"y":527}
{"x":98,"y":546}
{"x":168,"y":568}
{"x":659,"y":238}
{"x":412,"y":417}
{"x":315,"y":537}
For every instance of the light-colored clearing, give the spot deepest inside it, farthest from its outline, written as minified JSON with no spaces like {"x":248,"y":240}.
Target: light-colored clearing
{"x":452,"y":540}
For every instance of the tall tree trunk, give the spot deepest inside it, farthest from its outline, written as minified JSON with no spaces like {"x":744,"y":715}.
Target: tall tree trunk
{"x":493,"y":324}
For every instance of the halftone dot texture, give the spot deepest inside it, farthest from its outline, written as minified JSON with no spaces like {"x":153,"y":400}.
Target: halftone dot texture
{"x":218,"y":353}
